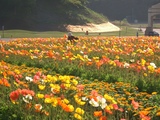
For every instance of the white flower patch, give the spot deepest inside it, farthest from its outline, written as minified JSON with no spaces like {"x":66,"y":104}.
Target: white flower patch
{"x":132,"y":60}
{"x":81,"y":52}
{"x":27,"y":98}
{"x":29,"y":79}
{"x":100,"y":101}
{"x":84,"y":98}
{"x":94,"y":103}
{"x":126,"y":65}
{"x":85,"y":56}
{"x":153,"y":65}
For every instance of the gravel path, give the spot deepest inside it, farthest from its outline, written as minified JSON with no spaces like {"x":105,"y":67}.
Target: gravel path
{"x":6,"y":39}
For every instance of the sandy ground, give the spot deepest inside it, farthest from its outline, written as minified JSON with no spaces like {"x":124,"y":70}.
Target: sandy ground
{"x":104,"y":27}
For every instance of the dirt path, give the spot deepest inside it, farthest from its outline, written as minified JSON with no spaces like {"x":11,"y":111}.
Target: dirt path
{"x":104,"y":27}
{"x":6,"y":39}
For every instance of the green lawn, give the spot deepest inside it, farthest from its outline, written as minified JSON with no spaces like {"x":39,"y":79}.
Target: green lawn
{"x":126,"y":31}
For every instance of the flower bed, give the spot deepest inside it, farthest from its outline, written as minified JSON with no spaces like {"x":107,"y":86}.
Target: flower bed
{"x":94,"y":78}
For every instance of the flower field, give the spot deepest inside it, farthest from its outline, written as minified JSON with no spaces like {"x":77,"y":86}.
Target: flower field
{"x":95,"y":78}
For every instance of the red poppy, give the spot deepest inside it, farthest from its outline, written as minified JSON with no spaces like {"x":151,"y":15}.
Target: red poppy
{"x":14,"y":95}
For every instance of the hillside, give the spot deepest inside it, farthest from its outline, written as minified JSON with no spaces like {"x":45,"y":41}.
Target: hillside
{"x":42,"y":15}
{"x":59,"y":19}
{"x":51,"y":15}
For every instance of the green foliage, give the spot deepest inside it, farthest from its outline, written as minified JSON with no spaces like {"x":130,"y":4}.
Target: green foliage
{"x":111,"y":79}
{"x":15,"y":8}
{"x":46,"y":15}
{"x":10,"y":112}
{"x":75,"y":2}
{"x":120,"y":9}
{"x":141,"y":85}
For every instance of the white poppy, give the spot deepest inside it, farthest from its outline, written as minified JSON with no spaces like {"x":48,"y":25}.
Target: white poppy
{"x":29,"y":79}
{"x":153,"y":65}
{"x":27,"y":98}
{"x":94,"y":103}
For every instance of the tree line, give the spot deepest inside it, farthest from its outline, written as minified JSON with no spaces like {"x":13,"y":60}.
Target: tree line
{"x":121,"y":9}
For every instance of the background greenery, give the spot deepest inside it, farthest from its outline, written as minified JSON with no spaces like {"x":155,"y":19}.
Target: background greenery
{"x":42,"y":15}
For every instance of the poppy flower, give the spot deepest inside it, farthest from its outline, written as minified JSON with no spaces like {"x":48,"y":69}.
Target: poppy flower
{"x":135,"y":104}
{"x":103,"y":118}
{"x":98,"y":113}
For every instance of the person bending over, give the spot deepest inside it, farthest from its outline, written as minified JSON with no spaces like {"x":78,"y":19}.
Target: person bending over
{"x":71,"y":37}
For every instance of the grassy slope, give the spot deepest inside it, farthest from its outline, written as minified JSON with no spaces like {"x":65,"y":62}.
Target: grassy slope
{"x":47,"y":17}
{"x":52,"y":16}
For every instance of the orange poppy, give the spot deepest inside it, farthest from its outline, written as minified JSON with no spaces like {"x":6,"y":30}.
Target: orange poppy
{"x":97,"y":113}
{"x":28,"y":106}
{"x":4,"y":74}
{"x":50,"y":54}
{"x":45,"y":112}
{"x":99,"y":63}
{"x":103,"y":118}
{"x":89,"y":63}
{"x":4,"y":82}
{"x":144,"y":112}
{"x":10,"y":73}
{"x":38,"y":107}
{"x":157,"y":71}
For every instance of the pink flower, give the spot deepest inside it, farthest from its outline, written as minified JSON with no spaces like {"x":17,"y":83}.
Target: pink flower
{"x":80,"y":87}
{"x":36,"y":78}
{"x":47,"y":96}
{"x":39,"y":73}
{"x":135,"y":104}
{"x":94,"y":93}
{"x":115,"y":106}
{"x":121,"y":109}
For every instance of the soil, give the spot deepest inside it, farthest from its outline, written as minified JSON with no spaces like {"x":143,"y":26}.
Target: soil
{"x":104,"y":27}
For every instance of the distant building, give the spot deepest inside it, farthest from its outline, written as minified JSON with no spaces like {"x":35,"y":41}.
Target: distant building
{"x":153,"y":12}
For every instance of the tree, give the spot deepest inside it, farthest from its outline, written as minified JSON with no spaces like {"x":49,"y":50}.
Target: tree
{"x":16,"y":8}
